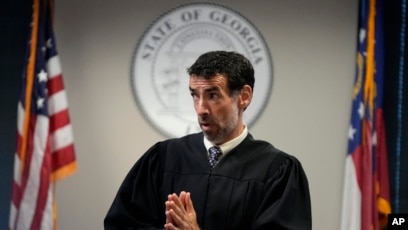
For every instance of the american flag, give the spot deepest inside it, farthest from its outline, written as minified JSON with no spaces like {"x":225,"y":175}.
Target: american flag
{"x":45,"y":150}
{"x":366,"y":201}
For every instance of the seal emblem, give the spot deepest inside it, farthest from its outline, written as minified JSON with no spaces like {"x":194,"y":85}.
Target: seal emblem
{"x":172,"y":43}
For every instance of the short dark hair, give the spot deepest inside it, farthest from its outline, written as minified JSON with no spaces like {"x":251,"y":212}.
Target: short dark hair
{"x":237,"y":68}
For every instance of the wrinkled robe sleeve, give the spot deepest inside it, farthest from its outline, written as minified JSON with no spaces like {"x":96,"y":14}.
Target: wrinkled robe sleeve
{"x":286,"y":204}
{"x":137,"y":204}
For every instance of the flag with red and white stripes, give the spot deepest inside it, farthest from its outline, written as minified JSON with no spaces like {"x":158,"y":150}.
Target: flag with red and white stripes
{"x":45,"y":149}
{"x":366,"y":198}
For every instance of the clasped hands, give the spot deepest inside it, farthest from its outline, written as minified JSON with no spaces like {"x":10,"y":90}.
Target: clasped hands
{"x":180,"y":213}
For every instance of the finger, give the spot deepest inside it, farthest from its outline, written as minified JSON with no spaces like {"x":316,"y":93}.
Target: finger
{"x":182,"y":197}
{"x":170,"y":226}
{"x":177,"y":200}
{"x":174,"y":215}
{"x":168,"y":217}
{"x":171,"y":202}
{"x":176,"y":210}
{"x":177,"y":206}
{"x":177,"y":220}
{"x":189,"y":203}
{"x":171,"y":218}
{"x":167,"y":204}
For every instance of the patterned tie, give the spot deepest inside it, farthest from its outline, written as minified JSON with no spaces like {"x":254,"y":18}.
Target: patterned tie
{"x":215,"y":153}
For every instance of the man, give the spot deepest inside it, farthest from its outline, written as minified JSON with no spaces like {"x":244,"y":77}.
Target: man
{"x":181,"y":184}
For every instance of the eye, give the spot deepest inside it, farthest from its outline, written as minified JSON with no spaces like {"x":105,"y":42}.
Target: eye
{"x":194,"y":96}
{"x":214,"y":95}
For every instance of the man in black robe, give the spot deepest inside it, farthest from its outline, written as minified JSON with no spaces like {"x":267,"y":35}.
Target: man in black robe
{"x":179,"y":183}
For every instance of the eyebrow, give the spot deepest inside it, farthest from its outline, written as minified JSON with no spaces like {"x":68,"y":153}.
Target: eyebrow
{"x":213,"y":88}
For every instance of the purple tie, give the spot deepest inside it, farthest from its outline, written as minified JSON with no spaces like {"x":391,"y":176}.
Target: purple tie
{"x":215,"y":153}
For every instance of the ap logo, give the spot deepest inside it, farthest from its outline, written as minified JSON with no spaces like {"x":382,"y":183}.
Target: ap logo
{"x":398,"y":221}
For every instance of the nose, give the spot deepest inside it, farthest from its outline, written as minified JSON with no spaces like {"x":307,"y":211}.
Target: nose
{"x":201,"y":107}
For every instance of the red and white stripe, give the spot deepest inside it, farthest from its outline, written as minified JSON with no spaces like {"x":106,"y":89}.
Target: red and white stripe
{"x":49,"y":150}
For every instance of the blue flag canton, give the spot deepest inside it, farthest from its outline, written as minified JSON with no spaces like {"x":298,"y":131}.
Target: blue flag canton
{"x":45,"y":49}
{"x":358,"y":108}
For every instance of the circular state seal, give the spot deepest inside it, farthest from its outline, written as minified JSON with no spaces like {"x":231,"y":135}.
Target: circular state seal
{"x":173,"y":42}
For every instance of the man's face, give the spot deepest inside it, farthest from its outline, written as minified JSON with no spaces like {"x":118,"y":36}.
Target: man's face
{"x":218,"y":113}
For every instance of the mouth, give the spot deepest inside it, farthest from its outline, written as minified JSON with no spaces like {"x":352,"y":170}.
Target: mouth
{"x":205,"y":126}
{"x":206,"y":123}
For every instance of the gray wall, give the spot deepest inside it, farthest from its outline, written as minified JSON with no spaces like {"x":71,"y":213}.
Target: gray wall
{"x":313,"y":50}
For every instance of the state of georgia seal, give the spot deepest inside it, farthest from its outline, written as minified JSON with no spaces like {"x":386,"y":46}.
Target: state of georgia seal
{"x":173,"y":42}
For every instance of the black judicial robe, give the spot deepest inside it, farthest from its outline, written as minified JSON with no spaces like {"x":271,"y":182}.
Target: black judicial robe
{"x":255,"y":186}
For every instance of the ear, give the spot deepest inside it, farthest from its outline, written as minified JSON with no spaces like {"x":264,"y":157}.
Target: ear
{"x":245,"y":97}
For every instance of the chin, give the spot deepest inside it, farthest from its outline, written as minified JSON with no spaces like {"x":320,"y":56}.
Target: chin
{"x":209,"y":136}
{"x":216,"y":139}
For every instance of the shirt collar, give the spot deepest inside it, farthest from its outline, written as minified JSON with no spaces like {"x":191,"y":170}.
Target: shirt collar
{"x":229,"y":145}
